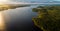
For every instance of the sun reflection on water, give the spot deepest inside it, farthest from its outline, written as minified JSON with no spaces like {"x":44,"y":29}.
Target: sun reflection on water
{"x":2,"y":24}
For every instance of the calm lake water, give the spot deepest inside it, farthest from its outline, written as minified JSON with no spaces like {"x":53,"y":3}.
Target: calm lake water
{"x":19,"y":19}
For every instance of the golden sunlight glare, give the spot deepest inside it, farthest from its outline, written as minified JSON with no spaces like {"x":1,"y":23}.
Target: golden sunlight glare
{"x":2,"y":24}
{"x":3,"y":0}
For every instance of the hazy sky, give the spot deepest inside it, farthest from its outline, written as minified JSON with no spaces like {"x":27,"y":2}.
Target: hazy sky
{"x":33,"y":0}
{"x":30,"y":1}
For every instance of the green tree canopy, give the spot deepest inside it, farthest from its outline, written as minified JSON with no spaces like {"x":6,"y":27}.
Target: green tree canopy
{"x":48,"y":19}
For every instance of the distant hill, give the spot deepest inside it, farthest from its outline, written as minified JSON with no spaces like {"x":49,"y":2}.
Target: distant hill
{"x":54,"y":2}
{"x":45,"y":2}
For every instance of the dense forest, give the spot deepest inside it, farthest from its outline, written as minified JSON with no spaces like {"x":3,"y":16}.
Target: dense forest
{"x":48,"y":18}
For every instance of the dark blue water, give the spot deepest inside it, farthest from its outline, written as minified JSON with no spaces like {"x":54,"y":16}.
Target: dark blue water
{"x":20,"y":19}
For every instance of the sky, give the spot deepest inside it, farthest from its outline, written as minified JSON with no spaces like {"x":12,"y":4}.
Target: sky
{"x":31,"y":1}
{"x":34,"y":0}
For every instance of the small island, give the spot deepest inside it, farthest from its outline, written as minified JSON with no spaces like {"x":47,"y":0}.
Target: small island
{"x":48,"y":18}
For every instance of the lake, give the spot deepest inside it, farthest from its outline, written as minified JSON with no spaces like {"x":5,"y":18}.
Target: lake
{"x":19,"y":19}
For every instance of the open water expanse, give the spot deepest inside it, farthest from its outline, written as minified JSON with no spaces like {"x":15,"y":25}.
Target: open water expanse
{"x":19,"y":19}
